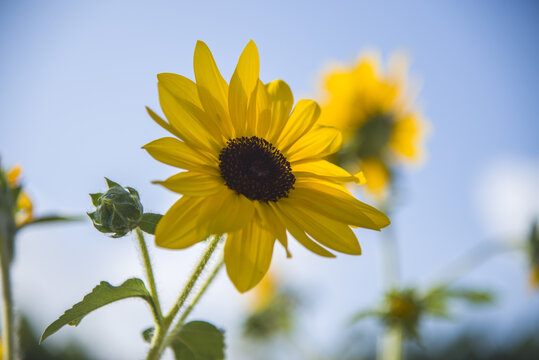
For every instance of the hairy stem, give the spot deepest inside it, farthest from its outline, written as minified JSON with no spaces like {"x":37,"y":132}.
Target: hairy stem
{"x":158,"y":342}
{"x":149,"y":275}
{"x":195,"y":300}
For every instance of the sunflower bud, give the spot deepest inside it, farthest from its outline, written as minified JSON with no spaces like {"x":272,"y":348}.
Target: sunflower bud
{"x":117,"y":211}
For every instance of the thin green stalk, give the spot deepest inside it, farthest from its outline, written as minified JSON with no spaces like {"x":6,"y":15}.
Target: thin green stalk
{"x":157,"y":347}
{"x":149,"y":275}
{"x":196,"y":298}
{"x":390,"y":345}
{"x":8,"y":324}
{"x":391,"y":341}
{"x":390,"y":259}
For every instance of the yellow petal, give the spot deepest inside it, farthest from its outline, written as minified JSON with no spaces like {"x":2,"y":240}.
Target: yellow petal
{"x":212,"y":88}
{"x":226,"y":212}
{"x":320,"y":142}
{"x":182,"y":87}
{"x":193,"y":183}
{"x":24,"y":209}
{"x":407,"y":136}
{"x":335,"y":202}
{"x":173,"y":152}
{"x":165,"y":125}
{"x":299,"y":234}
{"x":302,"y":119}
{"x":331,"y":233}
{"x":322,"y":169}
{"x":182,"y":116}
{"x":263,"y":111}
{"x":281,"y":102}
{"x":242,"y":88}
{"x":186,"y":94}
{"x":178,"y":228}
{"x":271,"y":222}
{"x":248,"y":254}
{"x":377,"y":176}
{"x":13,"y":176}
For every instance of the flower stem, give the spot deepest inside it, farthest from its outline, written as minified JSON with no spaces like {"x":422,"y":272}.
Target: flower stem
{"x":391,"y":344}
{"x":158,"y":342}
{"x":391,"y":341}
{"x":158,"y":316}
{"x":195,"y":300}
{"x":390,"y":259}
{"x":8,"y":328}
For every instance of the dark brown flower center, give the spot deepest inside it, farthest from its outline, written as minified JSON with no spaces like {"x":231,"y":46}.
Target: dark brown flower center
{"x":253,"y":167}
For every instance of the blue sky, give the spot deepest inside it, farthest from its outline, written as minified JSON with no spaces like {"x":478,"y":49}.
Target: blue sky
{"x":75,"y":78}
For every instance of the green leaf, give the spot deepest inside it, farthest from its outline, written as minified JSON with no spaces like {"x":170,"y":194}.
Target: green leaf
{"x":471,"y":296}
{"x":149,"y":221}
{"x":95,"y":198}
{"x":365,"y":314}
{"x":133,"y":192}
{"x":199,"y":340}
{"x":147,"y":334}
{"x":103,"y":294}
{"x":112,"y":184}
{"x":53,"y":218}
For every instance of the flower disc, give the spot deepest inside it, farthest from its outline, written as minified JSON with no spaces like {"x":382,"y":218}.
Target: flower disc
{"x":253,"y":167}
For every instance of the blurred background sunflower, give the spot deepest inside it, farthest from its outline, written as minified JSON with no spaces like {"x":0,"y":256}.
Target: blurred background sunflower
{"x":374,"y":107}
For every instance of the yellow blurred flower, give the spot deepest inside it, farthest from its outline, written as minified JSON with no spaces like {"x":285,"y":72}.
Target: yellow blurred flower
{"x":264,"y":292}
{"x":272,"y":309}
{"x":24,"y":210}
{"x":534,"y":277}
{"x":255,"y":169}
{"x":404,"y":307}
{"x":373,"y":109}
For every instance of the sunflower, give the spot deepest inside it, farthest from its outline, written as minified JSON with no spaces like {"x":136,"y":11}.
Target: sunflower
{"x":373,"y":111}
{"x":24,"y":209}
{"x":254,"y":169}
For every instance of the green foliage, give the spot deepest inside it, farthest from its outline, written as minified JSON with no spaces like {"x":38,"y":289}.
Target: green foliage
{"x":147,"y":334}
{"x":103,"y":294}
{"x":51,"y":218}
{"x":95,"y":198}
{"x":405,"y":308}
{"x":119,"y":211}
{"x":364,"y":314}
{"x":8,"y":203}
{"x":275,"y":318}
{"x":197,"y":340}
{"x":149,"y":221}
{"x":112,"y":184}
{"x":436,"y":301}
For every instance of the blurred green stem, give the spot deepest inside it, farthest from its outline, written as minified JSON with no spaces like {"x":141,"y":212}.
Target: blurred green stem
{"x":390,"y":259}
{"x":149,"y":274}
{"x":158,"y":342}
{"x":196,"y":298}
{"x":390,"y":345}
{"x":391,"y":341}
{"x":8,"y":329}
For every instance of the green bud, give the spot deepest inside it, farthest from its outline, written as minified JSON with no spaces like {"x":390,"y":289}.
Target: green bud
{"x":117,"y":211}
